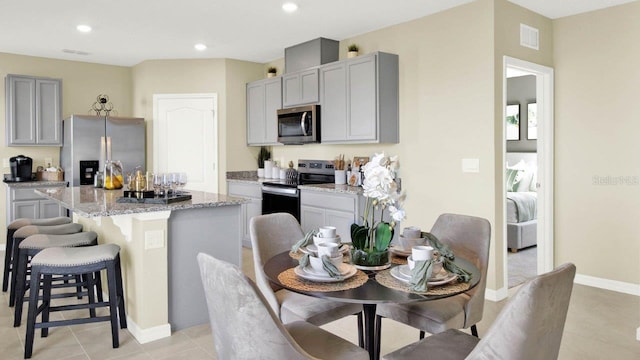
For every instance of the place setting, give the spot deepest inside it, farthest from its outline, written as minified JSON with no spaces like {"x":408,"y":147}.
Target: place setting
{"x":321,"y":265}
{"x":429,"y":270}
{"x":309,"y":244}
{"x":411,"y":236}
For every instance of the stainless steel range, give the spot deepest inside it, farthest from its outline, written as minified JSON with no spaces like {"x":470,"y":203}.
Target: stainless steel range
{"x":284,"y":195}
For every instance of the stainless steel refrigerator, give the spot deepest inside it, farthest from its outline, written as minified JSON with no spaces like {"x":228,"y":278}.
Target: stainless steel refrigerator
{"x":83,"y":136}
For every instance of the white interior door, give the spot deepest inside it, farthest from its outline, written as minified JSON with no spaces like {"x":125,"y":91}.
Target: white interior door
{"x":185,"y":138}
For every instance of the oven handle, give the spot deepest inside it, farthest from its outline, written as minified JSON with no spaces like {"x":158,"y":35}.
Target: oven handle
{"x":279,"y":191}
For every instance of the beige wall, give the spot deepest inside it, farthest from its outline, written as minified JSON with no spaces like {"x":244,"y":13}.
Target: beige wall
{"x":597,"y":126}
{"x":81,"y":83}
{"x":201,"y":76}
{"x":446,"y":113}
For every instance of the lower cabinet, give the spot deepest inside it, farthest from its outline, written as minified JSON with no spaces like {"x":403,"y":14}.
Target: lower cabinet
{"x":319,"y":208}
{"x":253,"y":208}
{"x":25,"y":203}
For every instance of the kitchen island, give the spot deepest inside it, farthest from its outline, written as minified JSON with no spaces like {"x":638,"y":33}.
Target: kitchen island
{"x":159,"y":244}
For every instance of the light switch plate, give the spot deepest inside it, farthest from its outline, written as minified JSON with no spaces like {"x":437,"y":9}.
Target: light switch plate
{"x":153,"y":239}
{"x":471,"y":165}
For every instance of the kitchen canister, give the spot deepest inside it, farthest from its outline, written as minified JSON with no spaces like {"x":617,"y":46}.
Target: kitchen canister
{"x":341,"y":177}
{"x":268,"y":167}
{"x":275,"y":172}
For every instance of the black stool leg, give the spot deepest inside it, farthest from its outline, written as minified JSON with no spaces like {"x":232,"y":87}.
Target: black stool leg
{"x":20,"y":280}
{"x":8,"y":255}
{"x":99,"y":286}
{"x":90,"y":294}
{"x":113,"y":303}
{"x":79,"y":287}
{"x":31,"y":315}
{"x":46,"y":301}
{"x":12,"y":294}
{"x":121,"y":312}
{"x":360,"y":331}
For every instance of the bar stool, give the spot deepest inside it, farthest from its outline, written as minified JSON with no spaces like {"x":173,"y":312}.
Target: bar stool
{"x":11,"y":228}
{"x":29,"y":230}
{"x":32,"y":245}
{"x":75,"y":261}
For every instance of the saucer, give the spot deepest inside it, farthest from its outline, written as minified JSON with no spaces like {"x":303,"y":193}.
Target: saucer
{"x":442,"y":275}
{"x":399,"y":251}
{"x":313,"y":250}
{"x":395,"y":272}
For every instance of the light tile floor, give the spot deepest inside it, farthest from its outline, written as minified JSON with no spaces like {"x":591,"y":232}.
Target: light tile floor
{"x":601,"y":325}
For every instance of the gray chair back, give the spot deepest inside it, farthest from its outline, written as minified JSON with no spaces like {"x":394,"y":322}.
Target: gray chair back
{"x":242,"y":324}
{"x":530,"y":326}
{"x":270,"y":235}
{"x":468,"y":237}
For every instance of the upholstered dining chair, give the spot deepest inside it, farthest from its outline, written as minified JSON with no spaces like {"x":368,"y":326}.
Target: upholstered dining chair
{"x":272,"y":234}
{"x":468,"y":237}
{"x":529,"y":327}
{"x":244,"y":326}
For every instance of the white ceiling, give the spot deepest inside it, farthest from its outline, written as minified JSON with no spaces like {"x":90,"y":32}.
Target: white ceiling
{"x":126,"y":32}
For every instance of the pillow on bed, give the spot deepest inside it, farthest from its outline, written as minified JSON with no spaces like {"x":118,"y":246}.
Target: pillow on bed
{"x":513,"y":179}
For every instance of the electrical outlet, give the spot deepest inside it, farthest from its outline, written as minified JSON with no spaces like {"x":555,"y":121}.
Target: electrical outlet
{"x":5,"y":162}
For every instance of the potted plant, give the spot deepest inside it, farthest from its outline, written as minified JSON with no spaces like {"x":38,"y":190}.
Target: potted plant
{"x":352,"y":51}
{"x":371,"y":239}
{"x":263,"y":155}
{"x":271,"y":71}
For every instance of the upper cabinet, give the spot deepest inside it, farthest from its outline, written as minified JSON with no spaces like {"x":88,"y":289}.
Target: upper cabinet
{"x":33,"y":111}
{"x":359,"y":100}
{"x":300,"y":88}
{"x":264,"y":98}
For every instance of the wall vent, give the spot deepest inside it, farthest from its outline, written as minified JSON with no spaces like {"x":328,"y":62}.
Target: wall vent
{"x":529,"y":37}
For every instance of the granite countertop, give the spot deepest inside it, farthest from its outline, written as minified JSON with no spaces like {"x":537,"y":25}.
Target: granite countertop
{"x":333,"y":188}
{"x":35,"y":184}
{"x":89,"y":201}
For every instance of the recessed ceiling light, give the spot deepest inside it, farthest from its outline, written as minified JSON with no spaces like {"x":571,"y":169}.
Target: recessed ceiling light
{"x":200,"y":47}
{"x":289,"y":7}
{"x":84,"y":28}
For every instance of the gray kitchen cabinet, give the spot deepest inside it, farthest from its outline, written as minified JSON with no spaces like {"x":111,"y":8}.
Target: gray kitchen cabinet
{"x":359,"y":100}
{"x":33,"y":111}
{"x":264,"y":98}
{"x":300,"y":88}
{"x":319,"y":208}
{"x":253,"y":208}
{"x":25,"y":203}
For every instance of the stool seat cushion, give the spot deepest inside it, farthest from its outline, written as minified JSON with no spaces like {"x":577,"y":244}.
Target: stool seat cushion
{"x":45,"y":241}
{"x":76,"y":256}
{"x":29,"y":230}
{"x":18,"y":223}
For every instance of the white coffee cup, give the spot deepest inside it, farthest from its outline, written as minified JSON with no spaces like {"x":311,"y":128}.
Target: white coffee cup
{"x":421,"y":252}
{"x":329,"y":249}
{"x":327,"y":232}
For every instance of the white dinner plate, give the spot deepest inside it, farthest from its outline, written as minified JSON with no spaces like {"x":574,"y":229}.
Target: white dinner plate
{"x":307,"y":273}
{"x":395,"y":272}
{"x":442,"y":275}
{"x":336,"y":239}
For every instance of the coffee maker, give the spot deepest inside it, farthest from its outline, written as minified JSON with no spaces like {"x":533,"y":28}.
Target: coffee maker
{"x":21,"y":167}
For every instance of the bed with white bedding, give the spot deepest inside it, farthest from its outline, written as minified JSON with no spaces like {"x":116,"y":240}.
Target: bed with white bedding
{"x":522,"y":200}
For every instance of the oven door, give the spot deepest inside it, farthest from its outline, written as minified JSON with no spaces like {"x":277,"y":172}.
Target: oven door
{"x":281,"y":199}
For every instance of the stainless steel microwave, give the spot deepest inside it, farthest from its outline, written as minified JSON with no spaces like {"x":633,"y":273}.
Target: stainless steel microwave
{"x":299,"y":125}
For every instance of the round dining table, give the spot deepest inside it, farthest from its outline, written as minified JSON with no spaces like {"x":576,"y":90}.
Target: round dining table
{"x":369,"y":294}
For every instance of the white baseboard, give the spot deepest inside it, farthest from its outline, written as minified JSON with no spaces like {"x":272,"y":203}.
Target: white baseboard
{"x":496,"y":295}
{"x":147,"y":335}
{"x":638,"y":334}
{"x":613,"y":285}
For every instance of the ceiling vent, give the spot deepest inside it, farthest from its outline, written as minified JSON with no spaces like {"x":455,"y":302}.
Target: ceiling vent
{"x":77,"y":52}
{"x":529,"y":37}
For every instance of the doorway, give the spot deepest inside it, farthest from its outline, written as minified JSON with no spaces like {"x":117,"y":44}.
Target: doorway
{"x":543,"y":183}
{"x":185,"y":138}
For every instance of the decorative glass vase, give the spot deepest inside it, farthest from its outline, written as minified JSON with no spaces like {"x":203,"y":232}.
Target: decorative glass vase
{"x":366,"y":258}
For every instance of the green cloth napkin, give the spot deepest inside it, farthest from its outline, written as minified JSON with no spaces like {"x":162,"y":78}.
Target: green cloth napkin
{"x":330,"y":268}
{"x":305,"y":241}
{"x":420,"y":274}
{"x":304,"y":261}
{"x":447,"y":257}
